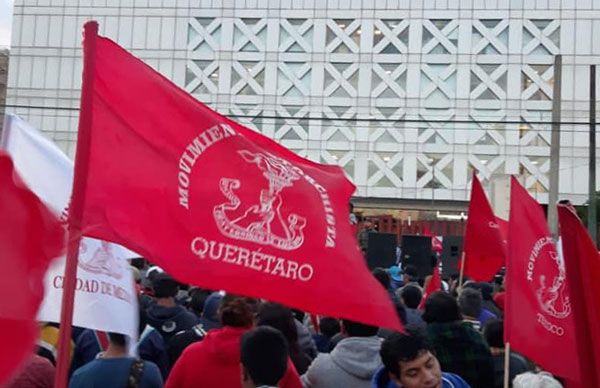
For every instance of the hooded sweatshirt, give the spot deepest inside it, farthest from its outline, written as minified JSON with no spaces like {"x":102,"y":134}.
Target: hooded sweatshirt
{"x":214,"y":362}
{"x":352,"y":363}
{"x":170,"y":320}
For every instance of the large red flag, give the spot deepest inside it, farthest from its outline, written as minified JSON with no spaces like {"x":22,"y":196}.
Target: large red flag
{"x":214,"y":203}
{"x":538,"y":315}
{"x":484,"y":247}
{"x":582,"y":264}
{"x":30,"y":236}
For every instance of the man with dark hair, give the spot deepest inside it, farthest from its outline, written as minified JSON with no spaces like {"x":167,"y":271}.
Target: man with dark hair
{"x":493,"y":331}
{"x":352,"y":363}
{"x":166,"y":316}
{"x":264,"y":357}
{"x":410,"y":362}
{"x":410,"y":275}
{"x":469,"y":302}
{"x":459,"y":348}
{"x":114,"y":368}
{"x":411,"y":298}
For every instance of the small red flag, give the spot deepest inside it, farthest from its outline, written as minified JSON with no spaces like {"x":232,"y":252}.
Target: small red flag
{"x":435,"y":284}
{"x":582,"y":263}
{"x":30,"y":236}
{"x":484,"y":248}
{"x":539,"y":320}
{"x":436,"y":244}
{"x":217,"y":204}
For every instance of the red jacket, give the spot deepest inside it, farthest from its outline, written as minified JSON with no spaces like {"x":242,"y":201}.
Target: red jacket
{"x":214,"y":362}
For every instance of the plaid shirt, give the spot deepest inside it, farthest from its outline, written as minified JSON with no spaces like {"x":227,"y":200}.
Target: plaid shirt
{"x":462,"y":350}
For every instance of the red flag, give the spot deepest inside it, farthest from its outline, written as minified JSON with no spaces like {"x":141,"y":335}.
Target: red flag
{"x":538,"y":315}
{"x":484,"y":249}
{"x":435,"y":284}
{"x":582,"y":264}
{"x":30,"y":236}
{"x":217,"y":204}
{"x":503,"y":227}
{"x":436,"y":244}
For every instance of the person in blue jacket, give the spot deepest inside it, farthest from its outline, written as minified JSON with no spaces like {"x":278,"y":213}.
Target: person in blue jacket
{"x":409,"y":362}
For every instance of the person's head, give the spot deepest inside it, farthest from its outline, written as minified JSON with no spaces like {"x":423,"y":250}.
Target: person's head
{"x":441,"y":308}
{"x":329,"y":326}
{"x":411,"y":296}
{"x":368,"y":224}
{"x":198,"y":297}
{"x":382,"y":276}
{"x":487,"y":291}
{"x":280,"y":318}
{"x":355,"y":329}
{"x":236,"y":311}
{"x":535,"y":380}
{"x":493,"y":332}
{"x":410,"y":274}
{"x":118,"y":340}
{"x":264,"y":357}
{"x":470,"y":303}
{"x":164,"y":286}
{"x":410,"y":361}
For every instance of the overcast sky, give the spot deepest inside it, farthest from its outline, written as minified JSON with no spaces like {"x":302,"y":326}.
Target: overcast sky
{"x":6,"y":11}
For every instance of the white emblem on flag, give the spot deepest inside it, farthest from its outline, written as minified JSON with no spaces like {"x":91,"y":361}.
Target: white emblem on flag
{"x":260,"y":221}
{"x":551,"y":296}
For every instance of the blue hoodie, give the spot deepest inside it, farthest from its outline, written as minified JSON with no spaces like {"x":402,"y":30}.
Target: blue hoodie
{"x":449,"y":380}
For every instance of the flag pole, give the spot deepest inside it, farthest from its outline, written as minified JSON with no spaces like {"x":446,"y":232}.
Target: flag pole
{"x":462,"y":270}
{"x":76,"y":206}
{"x":506,"y":364}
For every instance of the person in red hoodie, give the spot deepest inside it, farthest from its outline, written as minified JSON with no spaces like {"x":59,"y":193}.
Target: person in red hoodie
{"x":214,"y":362}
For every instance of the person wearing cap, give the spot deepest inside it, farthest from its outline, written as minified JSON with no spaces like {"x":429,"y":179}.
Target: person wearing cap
{"x":165,"y":315}
{"x":396,"y":277}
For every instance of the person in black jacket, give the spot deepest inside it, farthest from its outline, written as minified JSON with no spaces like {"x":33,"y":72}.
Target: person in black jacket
{"x":165,"y":315}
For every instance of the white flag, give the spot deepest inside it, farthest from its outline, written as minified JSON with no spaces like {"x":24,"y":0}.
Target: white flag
{"x":105,"y":296}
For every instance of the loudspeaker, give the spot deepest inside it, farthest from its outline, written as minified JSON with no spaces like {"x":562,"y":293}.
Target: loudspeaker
{"x":381,"y":250}
{"x":453,"y":247}
{"x":416,"y":251}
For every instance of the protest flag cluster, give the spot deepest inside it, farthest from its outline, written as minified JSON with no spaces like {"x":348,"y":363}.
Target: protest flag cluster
{"x":220,"y":206}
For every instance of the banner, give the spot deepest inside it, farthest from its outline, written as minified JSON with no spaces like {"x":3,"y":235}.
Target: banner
{"x":538,"y":320}
{"x":105,"y":287}
{"x":30,"y":236}
{"x":213,"y":203}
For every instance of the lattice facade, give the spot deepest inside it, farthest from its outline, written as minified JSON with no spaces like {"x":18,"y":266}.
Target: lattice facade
{"x":408,"y":97}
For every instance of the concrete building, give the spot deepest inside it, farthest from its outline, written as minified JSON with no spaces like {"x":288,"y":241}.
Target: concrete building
{"x":409,"y":97}
{"x":3,"y":81}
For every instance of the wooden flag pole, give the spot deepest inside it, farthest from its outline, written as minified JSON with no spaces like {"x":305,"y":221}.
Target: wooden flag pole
{"x":506,"y":364}
{"x":462,"y":270}
{"x":76,"y":206}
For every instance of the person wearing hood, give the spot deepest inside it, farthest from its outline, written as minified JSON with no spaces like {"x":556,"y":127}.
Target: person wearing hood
{"x":352,"y":363}
{"x":165,"y":315}
{"x":209,"y":321}
{"x":214,"y":362}
{"x":410,"y":362}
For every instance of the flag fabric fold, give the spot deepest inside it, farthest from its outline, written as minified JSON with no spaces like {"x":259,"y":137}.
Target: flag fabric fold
{"x":484,"y":248}
{"x":105,"y":286}
{"x":217,"y":204}
{"x":539,"y":321}
{"x":30,"y":236}
{"x":582,"y":265}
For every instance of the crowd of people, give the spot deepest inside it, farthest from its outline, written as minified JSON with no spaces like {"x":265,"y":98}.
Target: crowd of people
{"x":191,"y":337}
